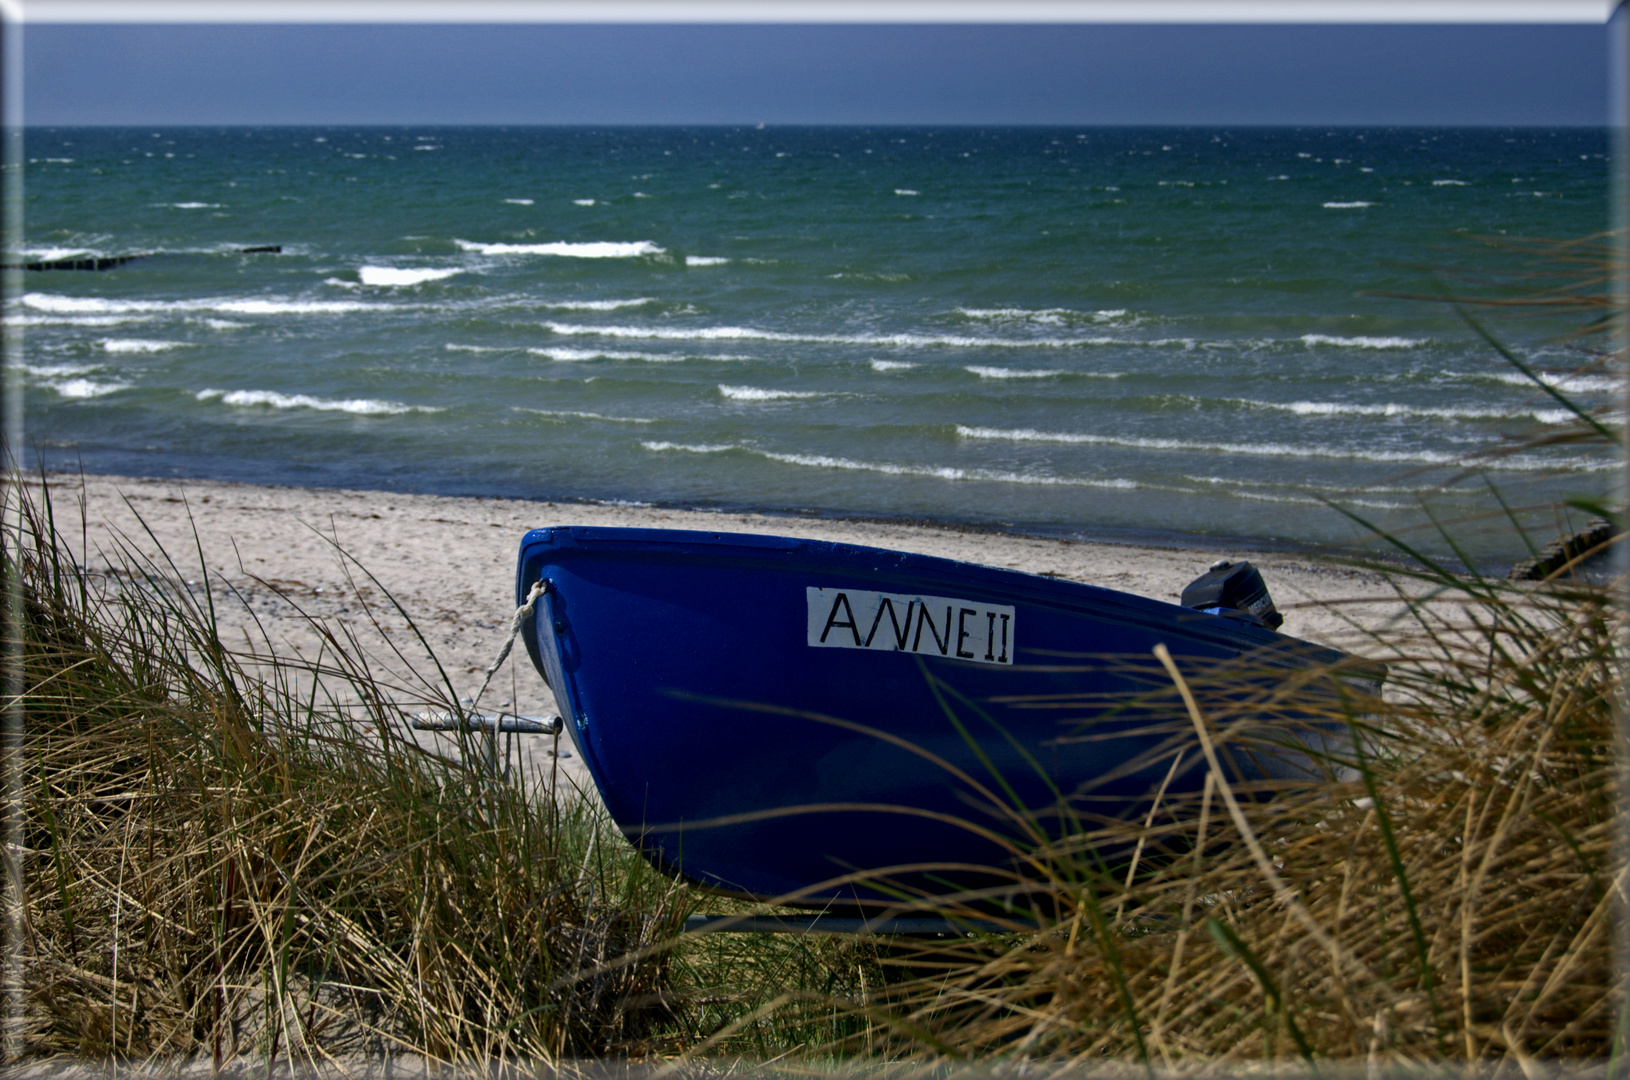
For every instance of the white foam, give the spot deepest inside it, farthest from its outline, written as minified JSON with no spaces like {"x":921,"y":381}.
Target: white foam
{"x":1568,"y":384}
{"x":284,"y":307}
{"x":138,"y":345}
{"x":599,"y":305}
{"x":51,"y":254}
{"x":86,"y":388}
{"x":744,"y":333}
{"x":906,"y":191}
{"x":76,"y":305}
{"x":57,"y":371}
{"x":359,"y":406}
{"x":891,"y":365}
{"x":398,"y":276}
{"x":937,"y":472}
{"x":1392,"y":409}
{"x":1399,"y":457}
{"x":1045,"y":316}
{"x":1448,"y":183}
{"x":450,"y":347}
{"x":98,"y":321}
{"x":519,"y":202}
{"x":341,"y":283}
{"x":193,"y":205}
{"x":705,"y":260}
{"x":1346,"y":205}
{"x":1009,"y":373}
{"x":604,"y":249}
{"x":588,"y":415}
{"x":427,"y":148}
{"x":753,"y":393}
{"x":583,"y":202}
{"x":560,"y":353}
{"x":690,"y":448}
{"x":1362,"y":342}
{"x":224,"y":324}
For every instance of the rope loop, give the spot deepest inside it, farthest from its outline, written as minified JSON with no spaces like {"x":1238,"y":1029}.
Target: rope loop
{"x":522,"y":614}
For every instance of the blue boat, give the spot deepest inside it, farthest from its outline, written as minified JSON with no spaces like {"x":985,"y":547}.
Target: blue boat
{"x":787,"y":718}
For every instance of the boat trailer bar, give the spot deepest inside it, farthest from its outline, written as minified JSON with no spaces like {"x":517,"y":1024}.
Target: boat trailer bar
{"x":485,"y":722}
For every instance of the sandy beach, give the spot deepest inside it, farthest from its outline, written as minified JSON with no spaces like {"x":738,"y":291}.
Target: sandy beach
{"x":273,"y":566}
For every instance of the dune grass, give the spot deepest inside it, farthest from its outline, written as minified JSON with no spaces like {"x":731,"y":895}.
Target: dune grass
{"x":231,"y":854}
{"x":235,"y":855}
{"x":1448,"y":895}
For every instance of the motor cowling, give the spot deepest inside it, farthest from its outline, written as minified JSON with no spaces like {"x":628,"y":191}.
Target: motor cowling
{"x":1235,"y":590}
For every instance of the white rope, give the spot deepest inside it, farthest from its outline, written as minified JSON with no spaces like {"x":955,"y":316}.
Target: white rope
{"x":522,"y":614}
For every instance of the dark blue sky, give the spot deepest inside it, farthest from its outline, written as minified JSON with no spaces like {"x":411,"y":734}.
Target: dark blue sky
{"x":831,"y":74}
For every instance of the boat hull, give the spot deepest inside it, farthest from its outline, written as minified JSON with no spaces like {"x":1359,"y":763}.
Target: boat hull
{"x":778,"y":718}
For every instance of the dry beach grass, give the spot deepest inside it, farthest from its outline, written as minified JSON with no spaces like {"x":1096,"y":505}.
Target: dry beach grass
{"x":233,"y":851}
{"x":236,"y":851}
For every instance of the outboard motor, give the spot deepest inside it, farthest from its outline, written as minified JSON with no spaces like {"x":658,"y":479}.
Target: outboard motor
{"x":1235,"y":590}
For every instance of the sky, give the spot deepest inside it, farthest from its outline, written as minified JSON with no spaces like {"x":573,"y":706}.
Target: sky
{"x":166,"y":74}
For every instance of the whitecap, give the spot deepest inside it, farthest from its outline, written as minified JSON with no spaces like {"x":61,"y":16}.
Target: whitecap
{"x":1362,"y":342}
{"x":583,"y":202}
{"x":1516,"y":463}
{"x":57,"y":371}
{"x":77,"y":305}
{"x":275,"y":400}
{"x":599,"y":305}
{"x":906,"y":191}
{"x":519,"y":202}
{"x":754,"y":393}
{"x":98,"y":321}
{"x":705,"y":260}
{"x":1395,"y":409}
{"x":86,"y":388}
{"x":193,"y":205}
{"x":689,"y":448}
{"x":1009,"y":373}
{"x":392,"y":276}
{"x":587,"y":415}
{"x":138,"y":345}
{"x":52,"y":254}
{"x":891,"y":365}
{"x":1448,"y":183}
{"x":1044,"y":316}
{"x":1568,"y":384}
{"x":559,"y":353}
{"x":283,"y":307}
{"x":937,"y":472}
{"x":603,"y":249}
{"x":744,"y":333}
{"x":1346,"y":205}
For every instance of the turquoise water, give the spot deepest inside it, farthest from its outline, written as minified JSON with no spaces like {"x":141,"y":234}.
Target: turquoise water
{"x":1099,"y":332}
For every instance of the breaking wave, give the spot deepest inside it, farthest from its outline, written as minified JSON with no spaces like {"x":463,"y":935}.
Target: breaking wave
{"x":397,"y":276}
{"x":1515,"y":463}
{"x":604,"y":249}
{"x":275,"y":400}
{"x":938,"y":472}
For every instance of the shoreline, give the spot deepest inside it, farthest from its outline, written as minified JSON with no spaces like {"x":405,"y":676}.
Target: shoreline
{"x":1164,"y":539}
{"x":274,"y":569}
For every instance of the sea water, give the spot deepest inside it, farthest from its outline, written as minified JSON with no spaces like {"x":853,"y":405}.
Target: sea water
{"x":1104,"y":332}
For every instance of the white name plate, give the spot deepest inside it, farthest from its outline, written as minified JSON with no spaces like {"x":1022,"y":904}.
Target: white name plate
{"x":900,"y":622}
